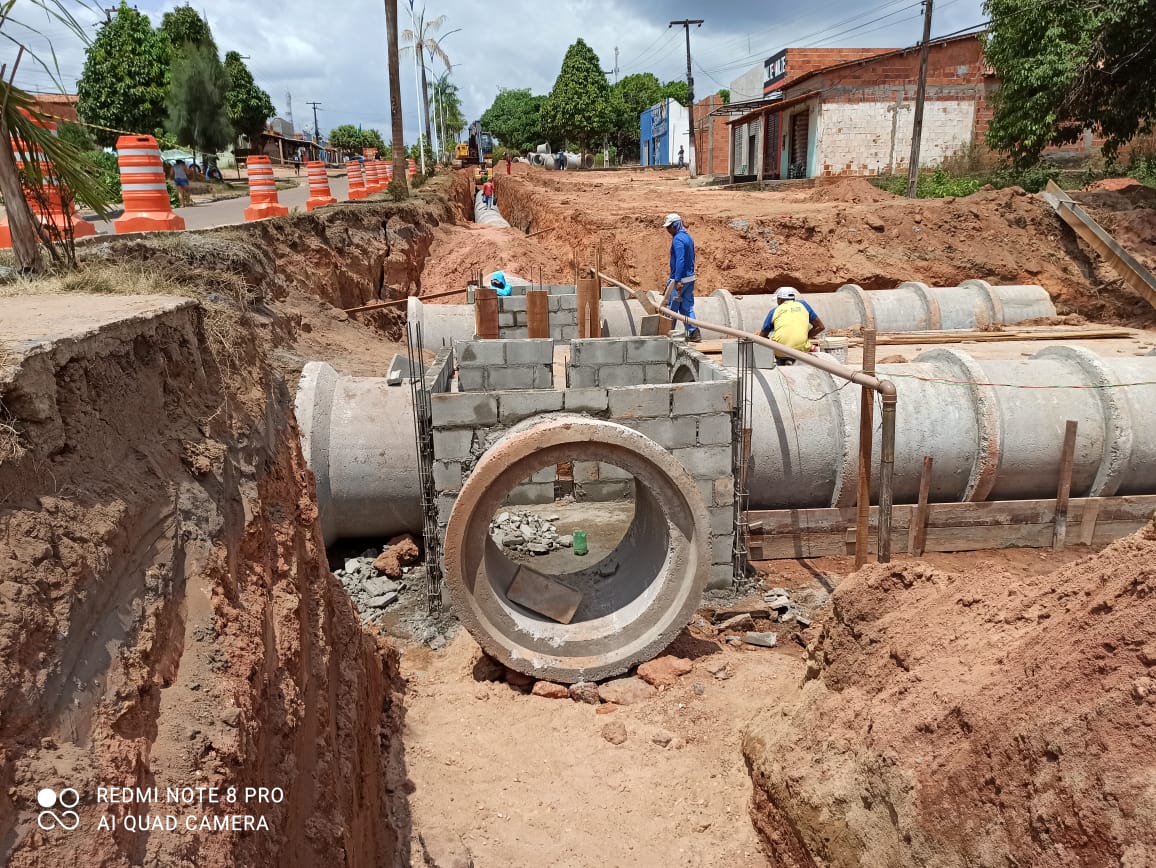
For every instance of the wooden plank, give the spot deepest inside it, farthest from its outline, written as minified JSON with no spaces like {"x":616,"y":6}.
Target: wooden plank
{"x":1133,"y":273}
{"x":543,"y":595}
{"x":917,"y":537}
{"x":1064,"y":488}
{"x":1088,"y":523}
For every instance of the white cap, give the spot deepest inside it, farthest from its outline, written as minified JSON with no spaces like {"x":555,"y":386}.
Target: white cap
{"x":786,"y":293}
{"x":671,"y":219}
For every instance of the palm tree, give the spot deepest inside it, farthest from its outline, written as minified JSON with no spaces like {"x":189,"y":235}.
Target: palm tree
{"x":20,"y":120}
{"x":399,"y":164}
{"x":420,"y":39}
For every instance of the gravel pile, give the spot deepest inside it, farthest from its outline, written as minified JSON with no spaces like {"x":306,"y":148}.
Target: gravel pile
{"x":527,"y":533}
{"x":371,"y":591}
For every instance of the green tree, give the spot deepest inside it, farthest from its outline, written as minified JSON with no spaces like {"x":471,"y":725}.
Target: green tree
{"x":197,"y":101}
{"x":633,"y":95}
{"x":371,"y":138}
{"x":76,"y":135}
{"x":679,"y":91}
{"x":422,"y":39}
{"x":1069,"y":65}
{"x":725,"y":94}
{"x":447,"y":110}
{"x":125,"y":78}
{"x":246,"y":105}
{"x":515,"y":118}
{"x":347,"y":137}
{"x":185,"y":26}
{"x":578,"y":108}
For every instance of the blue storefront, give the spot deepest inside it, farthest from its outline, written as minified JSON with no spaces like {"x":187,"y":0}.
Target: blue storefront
{"x":663,"y":128}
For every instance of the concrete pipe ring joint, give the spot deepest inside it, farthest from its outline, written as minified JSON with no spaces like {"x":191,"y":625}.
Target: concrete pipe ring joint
{"x":654,"y":578}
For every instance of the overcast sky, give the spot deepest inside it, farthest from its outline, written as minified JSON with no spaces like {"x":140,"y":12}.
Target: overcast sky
{"x":334,"y":52}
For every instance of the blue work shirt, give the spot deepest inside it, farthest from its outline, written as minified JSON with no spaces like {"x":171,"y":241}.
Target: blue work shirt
{"x":767,"y":323}
{"x":681,"y":256}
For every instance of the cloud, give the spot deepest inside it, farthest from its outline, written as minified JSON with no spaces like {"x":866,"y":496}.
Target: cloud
{"x":334,"y":53}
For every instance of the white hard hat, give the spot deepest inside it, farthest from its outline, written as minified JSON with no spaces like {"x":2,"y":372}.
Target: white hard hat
{"x":671,"y":219}
{"x":786,"y":293}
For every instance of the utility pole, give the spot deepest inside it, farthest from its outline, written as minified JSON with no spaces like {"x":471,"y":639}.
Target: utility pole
{"x":316,"y":128}
{"x":685,"y":25}
{"x":920,"y":95}
{"x":616,"y":63}
{"x":289,"y":113}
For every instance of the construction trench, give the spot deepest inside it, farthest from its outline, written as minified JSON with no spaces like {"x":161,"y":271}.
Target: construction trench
{"x":177,"y":469}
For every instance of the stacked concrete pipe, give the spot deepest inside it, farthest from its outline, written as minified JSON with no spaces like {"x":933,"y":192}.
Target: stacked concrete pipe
{"x":988,"y":442}
{"x":484,"y":216}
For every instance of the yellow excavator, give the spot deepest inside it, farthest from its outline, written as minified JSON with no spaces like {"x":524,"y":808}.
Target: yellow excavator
{"x":477,"y":150}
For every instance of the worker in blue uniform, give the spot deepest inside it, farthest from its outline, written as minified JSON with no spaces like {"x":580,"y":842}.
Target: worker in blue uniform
{"x":679,"y":295}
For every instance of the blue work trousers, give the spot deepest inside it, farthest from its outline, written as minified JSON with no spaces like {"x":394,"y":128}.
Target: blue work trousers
{"x":682,"y":301}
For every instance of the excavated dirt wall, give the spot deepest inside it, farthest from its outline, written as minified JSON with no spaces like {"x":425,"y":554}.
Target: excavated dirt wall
{"x":971,"y":719}
{"x":167,"y":615}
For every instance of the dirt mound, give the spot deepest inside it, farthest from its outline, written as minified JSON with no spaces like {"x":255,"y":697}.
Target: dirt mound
{"x":971,"y":719}
{"x":1113,"y":184}
{"x":853,"y":190}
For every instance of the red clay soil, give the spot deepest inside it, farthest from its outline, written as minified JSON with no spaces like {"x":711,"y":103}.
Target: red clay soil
{"x":971,"y":719}
{"x":168,"y":618}
{"x":816,"y":239}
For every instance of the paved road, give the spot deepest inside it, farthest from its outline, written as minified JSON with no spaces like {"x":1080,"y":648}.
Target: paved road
{"x":229,"y":211}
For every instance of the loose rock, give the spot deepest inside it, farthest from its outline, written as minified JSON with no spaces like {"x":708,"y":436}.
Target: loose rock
{"x":520,"y":680}
{"x":444,"y":849}
{"x":764,"y":640}
{"x":662,"y":738}
{"x":664,"y":672}
{"x":405,"y":549}
{"x":738,"y":622}
{"x":388,"y":564}
{"x":486,"y":668}
{"x":626,"y":691}
{"x":614,"y":732}
{"x":606,"y":708}
{"x":585,"y":691}
{"x":550,"y":690}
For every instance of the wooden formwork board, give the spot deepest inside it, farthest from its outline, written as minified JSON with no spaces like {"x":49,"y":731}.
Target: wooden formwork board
{"x":951,"y":527}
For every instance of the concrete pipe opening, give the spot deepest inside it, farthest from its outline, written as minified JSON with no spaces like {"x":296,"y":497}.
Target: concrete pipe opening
{"x":605,"y":617}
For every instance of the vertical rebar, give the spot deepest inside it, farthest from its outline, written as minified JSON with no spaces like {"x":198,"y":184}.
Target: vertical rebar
{"x":886,"y":474}
{"x":741,"y":454}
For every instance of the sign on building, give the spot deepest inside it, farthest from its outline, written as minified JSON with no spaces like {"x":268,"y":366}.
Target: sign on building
{"x":774,"y":70}
{"x":659,"y":119}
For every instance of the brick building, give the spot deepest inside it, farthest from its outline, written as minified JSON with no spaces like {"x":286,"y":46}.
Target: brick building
{"x":854,"y":116}
{"x":711,"y":138}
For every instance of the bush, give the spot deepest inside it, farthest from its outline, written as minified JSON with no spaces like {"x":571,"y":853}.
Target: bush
{"x":397,"y":191}
{"x":174,"y":197}
{"x":1032,"y":179}
{"x":105,"y":166}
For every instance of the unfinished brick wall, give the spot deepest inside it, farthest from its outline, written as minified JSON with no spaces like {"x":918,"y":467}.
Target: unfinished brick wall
{"x":711,"y":137}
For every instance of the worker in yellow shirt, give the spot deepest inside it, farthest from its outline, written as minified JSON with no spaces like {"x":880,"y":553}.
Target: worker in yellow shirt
{"x":791,"y":322}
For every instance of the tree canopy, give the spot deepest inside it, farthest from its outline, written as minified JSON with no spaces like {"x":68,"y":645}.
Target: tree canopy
{"x":578,"y":108}
{"x":1069,"y":65}
{"x":677,"y":90}
{"x":515,"y":118}
{"x":126,"y":76}
{"x":246,"y":105}
{"x":185,"y":26}
{"x":350,"y":138}
{"x":197,"y":100}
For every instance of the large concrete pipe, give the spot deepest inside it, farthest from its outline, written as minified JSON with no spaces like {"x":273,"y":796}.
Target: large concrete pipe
{"x":486,"y":216}
{"x":633,"y":602}
{"x":988,"y":442}
{"x":358,"y":437}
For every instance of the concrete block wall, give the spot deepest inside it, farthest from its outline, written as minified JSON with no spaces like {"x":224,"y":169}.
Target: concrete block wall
{"x":614,"y":363}
{"x":494,"y":365}
{"x":693,"y":420}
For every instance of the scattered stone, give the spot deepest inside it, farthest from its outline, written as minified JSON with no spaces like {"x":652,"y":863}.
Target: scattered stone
{"x":550,"y":690}
{"x":738,"y":622}
{"x":662,"y":738}
{"x":381,"y":601}
{"x":486,"y":668}
{"x":665,"y":671}
{"x":566,"y":541}
{"x":874,"y":222}
{"x":614,"y":732}
{"x":438,"y":642}
{"x":379,"y":585}
{"x":527,"y":533}
{"x":231,"y":716}
{"x":608,"y":568}
{"x":606,"y":708}
{"x":585,"y":691}
{"x":715,"y":665}
{"x":763,"y":640}
{"x":802,"y":620}
{"x":444,"y":849}
{"x":387,"y":563}
{"x":625,"y":691}
{"x":698,"y":689}
{"x":481,"y":693}
{"x":893,"y":360}
{"x":740,"y":225}
{"x":678,"y":742}
{"x":520,"y":680}
{"x":405,"y":549}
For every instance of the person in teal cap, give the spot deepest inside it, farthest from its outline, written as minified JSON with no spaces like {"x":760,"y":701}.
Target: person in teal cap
{"x":498,"y":282}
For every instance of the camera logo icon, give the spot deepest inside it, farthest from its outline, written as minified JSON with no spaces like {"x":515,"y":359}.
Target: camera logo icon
{"x":66,"y":799}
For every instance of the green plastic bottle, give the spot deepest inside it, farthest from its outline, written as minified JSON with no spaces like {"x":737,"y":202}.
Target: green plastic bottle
{"x":580,"y":542}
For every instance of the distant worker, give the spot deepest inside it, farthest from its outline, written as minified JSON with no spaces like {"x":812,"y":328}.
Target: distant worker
{"x":508,"y":162}
{"x":680,"y":284}
{"x":488,"y":194}
{"x":498,"y":282}
{"x":181,"y":182}
{"x":681,"y":159}
{"x":561,"y":160}
{"x":297,"y":161}
{"x":791,"y":322}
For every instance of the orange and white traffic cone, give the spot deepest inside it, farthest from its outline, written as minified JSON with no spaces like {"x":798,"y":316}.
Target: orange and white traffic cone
{"x":50,"y":211}
{"x":142,"y":182}
{"x":262,"y":190}
{"x":356,"y":180}
{"x":388,"y":172}
{"x":319,"y":193}
{"x":372,"y":177}
{"x":412,"y":168}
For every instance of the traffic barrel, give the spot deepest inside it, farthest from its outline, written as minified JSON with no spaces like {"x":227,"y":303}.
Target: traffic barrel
{"x":49,"y":210}
{"x":262,"y":190}
{"x":412,"y":168}
{"x":372,"y":177}
{"x":142,"y":181}
{"x":388,"y":172}
{"x":319,"y":193}
{"x":356,"y":176}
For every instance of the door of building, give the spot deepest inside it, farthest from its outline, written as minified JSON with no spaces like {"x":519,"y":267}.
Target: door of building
{"x":798,"y":154}
{"x":771,"y":148}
